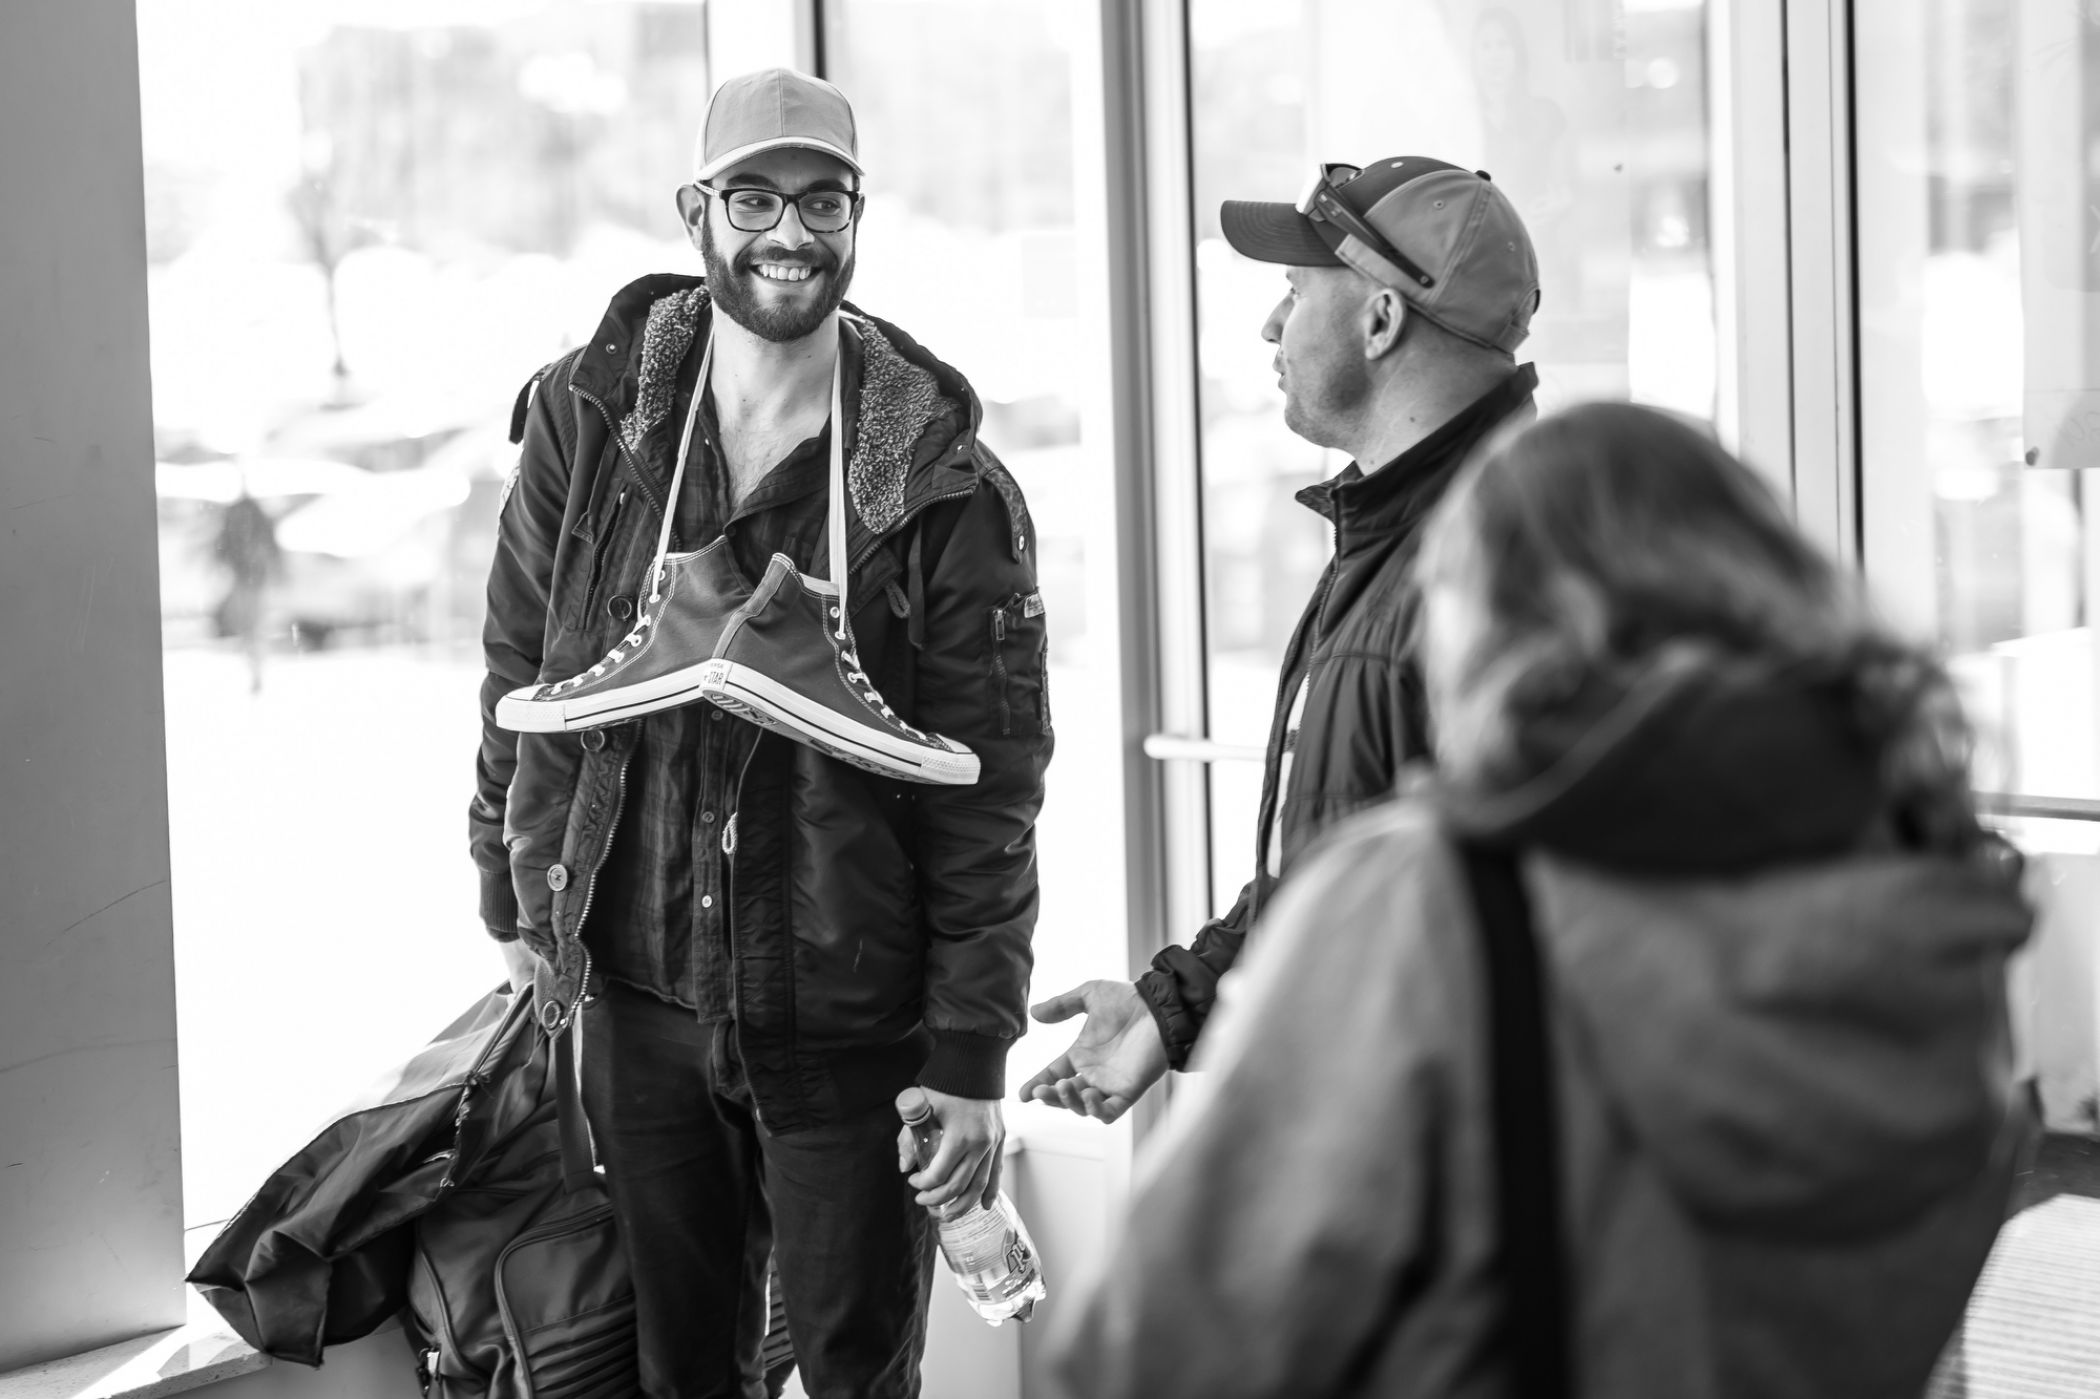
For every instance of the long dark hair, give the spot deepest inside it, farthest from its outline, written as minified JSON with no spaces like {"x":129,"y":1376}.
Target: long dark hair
{"x":1610,"y":544}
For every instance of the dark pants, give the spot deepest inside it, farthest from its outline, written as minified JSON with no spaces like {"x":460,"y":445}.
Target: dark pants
{"x":704,"y":1194}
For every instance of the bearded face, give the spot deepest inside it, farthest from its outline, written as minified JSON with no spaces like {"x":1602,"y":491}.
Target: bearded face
{"x":776,"y":292}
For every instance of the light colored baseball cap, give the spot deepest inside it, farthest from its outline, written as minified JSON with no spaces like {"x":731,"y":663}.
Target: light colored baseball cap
{"x":764,"y":111}
{"x":1444,"y":237}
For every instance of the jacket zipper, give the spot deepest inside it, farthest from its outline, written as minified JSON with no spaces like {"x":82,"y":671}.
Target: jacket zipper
{"x":1006,"y":709}
{"x":1305,"y":641}
{"x":902,"y":520}
{"x":599,"y":551}
{"x":641,"y":478}
{"x":590,"y":888}
{"x":729,"y":844}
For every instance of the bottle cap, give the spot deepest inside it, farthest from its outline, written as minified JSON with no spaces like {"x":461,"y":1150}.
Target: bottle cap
{"x":912,"y":1105}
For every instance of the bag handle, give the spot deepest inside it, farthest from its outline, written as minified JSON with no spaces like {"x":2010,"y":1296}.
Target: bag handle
{"x":1526,"y":1128}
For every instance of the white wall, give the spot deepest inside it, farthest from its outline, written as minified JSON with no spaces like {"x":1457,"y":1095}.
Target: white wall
{"x":90,"y":1190}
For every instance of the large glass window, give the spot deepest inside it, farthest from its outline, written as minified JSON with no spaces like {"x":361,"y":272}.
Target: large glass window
{"x":1979,"y":236}
{"x":1591,"y":115}
{"x":969,"y":244}
{"x":368,"y":223}
{"x":1979,"y":150}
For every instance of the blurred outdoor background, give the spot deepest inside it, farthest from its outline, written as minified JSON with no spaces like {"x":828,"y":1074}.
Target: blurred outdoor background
{"x":369,"y":221}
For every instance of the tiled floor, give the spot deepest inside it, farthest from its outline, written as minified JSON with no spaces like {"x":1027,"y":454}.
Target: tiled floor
{"x":2033,"y":1329}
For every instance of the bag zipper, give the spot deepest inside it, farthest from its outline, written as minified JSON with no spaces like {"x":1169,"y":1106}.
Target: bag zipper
{"x":446,"y":1340}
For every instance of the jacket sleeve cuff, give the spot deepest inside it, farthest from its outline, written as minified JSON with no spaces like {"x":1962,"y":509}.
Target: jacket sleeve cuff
{"x":1178,"y":1022}
{"x":966,"y":1065}
{"x":499,"y":905}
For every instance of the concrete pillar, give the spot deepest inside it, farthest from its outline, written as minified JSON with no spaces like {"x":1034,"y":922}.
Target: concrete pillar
{"x":90,"y":1185}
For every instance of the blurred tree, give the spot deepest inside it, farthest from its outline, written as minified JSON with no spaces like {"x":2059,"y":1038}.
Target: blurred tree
{"x":514,"y":137}
{"x":327,"y":234}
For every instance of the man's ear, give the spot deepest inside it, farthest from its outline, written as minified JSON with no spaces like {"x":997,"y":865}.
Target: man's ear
{"x":692,"y":211}
{"x":1384,"y":317}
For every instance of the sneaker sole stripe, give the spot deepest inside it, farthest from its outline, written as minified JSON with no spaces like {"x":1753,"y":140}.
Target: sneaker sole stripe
{"x":666,"y":691}
{"x":738,"y":688}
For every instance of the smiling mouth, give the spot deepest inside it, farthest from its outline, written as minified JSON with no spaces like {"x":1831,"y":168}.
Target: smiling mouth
{"x":783,"y":272}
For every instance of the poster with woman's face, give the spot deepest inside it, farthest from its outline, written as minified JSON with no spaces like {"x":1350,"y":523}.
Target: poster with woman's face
{"x":1534,"y":92}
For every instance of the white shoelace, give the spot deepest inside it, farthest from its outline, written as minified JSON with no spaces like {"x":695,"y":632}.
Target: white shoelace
{"x":835,"y":529}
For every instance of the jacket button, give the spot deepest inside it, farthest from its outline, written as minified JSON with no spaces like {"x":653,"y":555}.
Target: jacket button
{"x":594,"y":739}
{"x":557,"y":878}
{"x":620,"y":608}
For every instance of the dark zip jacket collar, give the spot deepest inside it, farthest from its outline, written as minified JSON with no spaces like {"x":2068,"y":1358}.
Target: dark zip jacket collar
{"x":1367,"y":509}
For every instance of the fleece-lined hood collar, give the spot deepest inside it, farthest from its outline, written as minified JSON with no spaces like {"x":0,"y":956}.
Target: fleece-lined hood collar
{"x":1787,"y":1008}
{"x":912,"y":425}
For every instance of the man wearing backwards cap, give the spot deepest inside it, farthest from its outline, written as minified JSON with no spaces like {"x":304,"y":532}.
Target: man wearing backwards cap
{"x":769,"y":946}
{"x":1412,"y":282}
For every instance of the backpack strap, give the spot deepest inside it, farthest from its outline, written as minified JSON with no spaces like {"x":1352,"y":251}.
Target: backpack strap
{"x":1530,"y":1250}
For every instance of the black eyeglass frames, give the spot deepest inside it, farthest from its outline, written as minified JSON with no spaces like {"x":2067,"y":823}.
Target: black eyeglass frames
{"x":753,"y":209}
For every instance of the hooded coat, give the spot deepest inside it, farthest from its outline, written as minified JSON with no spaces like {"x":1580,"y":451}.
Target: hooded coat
{"x":1784,"y":1089}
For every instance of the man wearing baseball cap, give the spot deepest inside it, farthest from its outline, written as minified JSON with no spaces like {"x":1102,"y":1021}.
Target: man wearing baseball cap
{"x":766,"y":945}
{"x":1411,"y":284}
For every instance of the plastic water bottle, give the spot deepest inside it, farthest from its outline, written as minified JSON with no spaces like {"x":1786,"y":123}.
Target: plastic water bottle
{"x":986,"y":1248}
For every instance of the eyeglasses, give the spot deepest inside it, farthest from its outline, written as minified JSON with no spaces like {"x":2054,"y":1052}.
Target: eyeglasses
{"x":754,"y":210}
{"x":1322,"y":204}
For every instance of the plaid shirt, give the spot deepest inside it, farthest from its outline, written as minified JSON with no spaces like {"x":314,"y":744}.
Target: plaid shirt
{"x":665,"y":873}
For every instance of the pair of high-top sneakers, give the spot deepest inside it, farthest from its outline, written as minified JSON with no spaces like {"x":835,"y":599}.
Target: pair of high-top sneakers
{"x":780,"y":654}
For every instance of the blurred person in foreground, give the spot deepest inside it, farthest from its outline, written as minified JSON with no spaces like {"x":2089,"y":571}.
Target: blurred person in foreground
{"x":773,"y":944}
{"x":1773,"y":939}
{"x":1411,"y":284}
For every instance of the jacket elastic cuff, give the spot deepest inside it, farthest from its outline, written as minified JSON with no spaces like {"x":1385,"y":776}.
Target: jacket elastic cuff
{"x":966,"y":1065}
{"x":1177,"y":1028}
{"x":499,"y":905}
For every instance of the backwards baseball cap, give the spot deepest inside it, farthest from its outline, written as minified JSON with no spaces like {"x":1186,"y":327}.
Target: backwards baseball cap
{"x":1445,"y":238}
{"x":766,"y":111}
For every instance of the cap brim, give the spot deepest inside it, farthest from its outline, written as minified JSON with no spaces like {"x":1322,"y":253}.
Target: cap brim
{"x":1274,"y":233}
{"x":743,"y":153}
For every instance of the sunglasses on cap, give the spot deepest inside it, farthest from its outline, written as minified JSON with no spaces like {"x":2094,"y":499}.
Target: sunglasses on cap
{"x":1323,"y":204}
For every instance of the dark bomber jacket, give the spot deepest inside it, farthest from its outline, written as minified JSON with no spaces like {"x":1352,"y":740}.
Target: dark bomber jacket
{"x":878,"y":931}
{"x":1363,"y":714}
